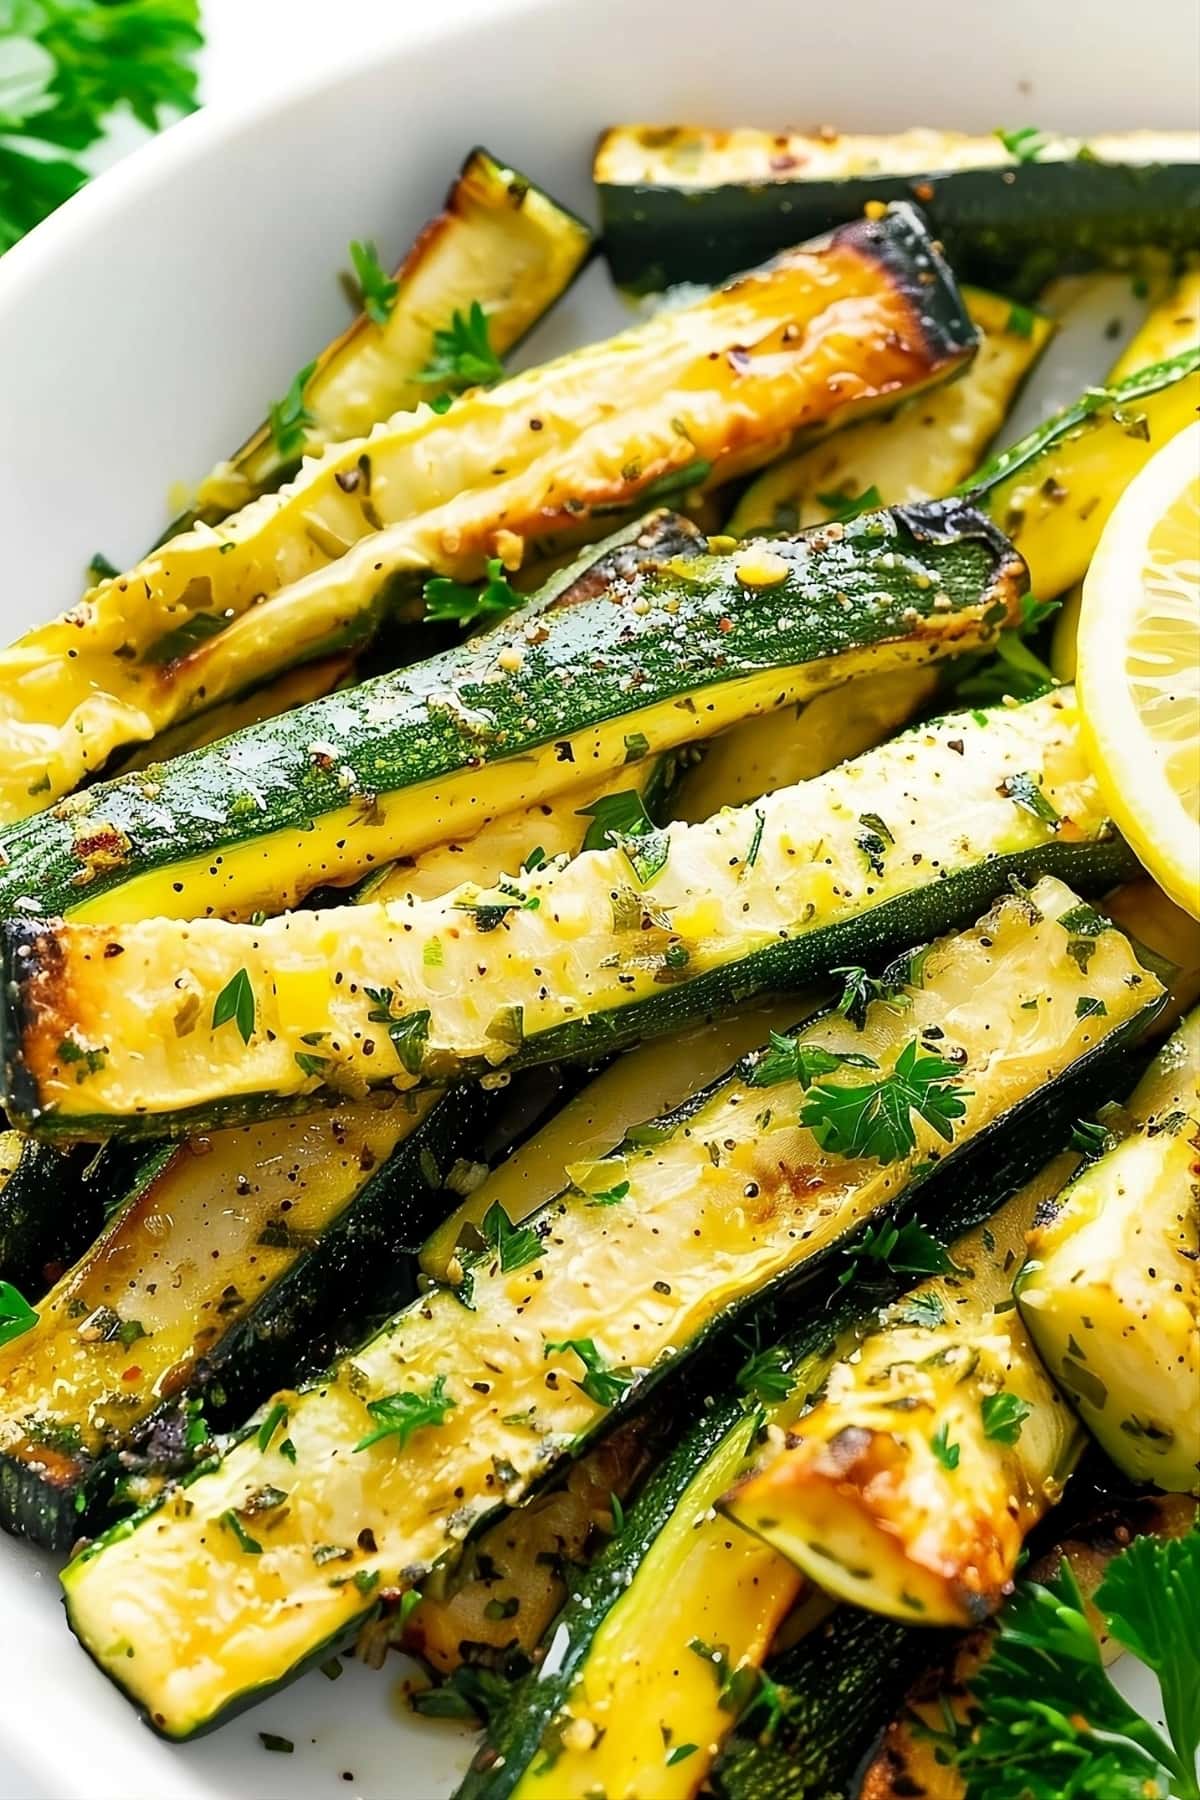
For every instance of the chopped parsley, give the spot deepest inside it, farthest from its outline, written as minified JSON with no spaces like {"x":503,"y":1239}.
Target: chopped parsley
{"x":277,"y":1416}
{"x":288,"y":418}
{"x":1091,"y":1139}
{"x":611,"y":1196}
{"x":791,"y":1059}
{"x":905,"y":1249}
{"x":760,"y":819}
{"x":236,"y":1001}
{"x":1025,"y":791}
{"x":946,"y":1452}
{"x":1088,"y":1007}
{"x":1003,"y":1416}
{"x":231,"y":1522}
{"x":515,"y":1245}
{"x":615,"y":817}
{"x":1021,"y":320}
{"x":402,"y":1415}
{"x":16,"y":1315}
{"x":377,"y":289}
{"x":927,"y":1309}
{"x":861,"y":990}
{"x":466,"y":603}
{"x":462,"y":355}
{"x":842,"y":506}
{"x":600,"y":1383}
{"x":1025,"y":144}
{"x":409,"y":1034}
{"x":766,"y":1375}
{"x":874,"y":1118}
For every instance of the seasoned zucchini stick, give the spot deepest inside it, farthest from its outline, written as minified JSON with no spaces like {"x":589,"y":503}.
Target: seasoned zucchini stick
{"x":664,"y":650}
{"x":1053,"y":491}
{"x":686,"y":203}
{"x":500,"y":242}
{"x":911,"y":1759}
{"x":572,"y":960}
{"x":938,"y":1443}
{"x":1111,"y":1293}
{"x":222,"y":1591}
{"x":691,"y":398}
{"x":311,"y":1220}
{"x":932,"y":444}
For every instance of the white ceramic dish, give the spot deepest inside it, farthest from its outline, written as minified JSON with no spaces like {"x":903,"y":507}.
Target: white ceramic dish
{"x":143,"y":328}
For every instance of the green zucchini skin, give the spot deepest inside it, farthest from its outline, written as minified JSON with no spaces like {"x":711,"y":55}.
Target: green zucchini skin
{"x":849,"y":1674}
{"x":360,"y":1266}
{"x":55,"y":1202}
{"x":444,"y":718}
{"x":1009,"y":227}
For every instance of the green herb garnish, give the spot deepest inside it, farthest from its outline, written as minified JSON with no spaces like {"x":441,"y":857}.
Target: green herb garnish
{"x":791,"y":1059}
{"x":236,"y":1001}
{"x":600,"y":1383}
{"x":377,"y":289}
{"x":1025,"y":144}
{"x":615,"y":817}
{"x":1003,"y":1416}
{"x":401,"y":1415}
{"x":288,"y":418}
{"x":766,"y":1375}
{"x":462,"y":354}
{"x":946,"y":1452}
{"x":874,"y":1118}
{"x":842,"y":507}
{"x":861,"y":990}
{"x":466,"y":603}
{"x":16,"y":1315}
{"x":1025,"y":791}
{"x":515,"y":1245}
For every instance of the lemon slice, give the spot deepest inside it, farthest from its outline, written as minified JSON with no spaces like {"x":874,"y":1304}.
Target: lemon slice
{"x":1139,"y":666}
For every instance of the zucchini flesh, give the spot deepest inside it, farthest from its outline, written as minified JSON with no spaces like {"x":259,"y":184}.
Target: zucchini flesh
{"x":897,"y":1498}
{"x":575,"y":960}
{"x":625,"y":1280}
{"x":705,"y":394}
{"x":1054,"y":490}
{"x":500,"y":241}
{"x":932,"y":444}
{"x":683,"y":203}
{"x":1111,"y":1293}
{"x":665,"y":653}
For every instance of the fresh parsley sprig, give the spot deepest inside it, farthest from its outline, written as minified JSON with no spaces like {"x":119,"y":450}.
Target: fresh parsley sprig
{"x":377,"y":289}
{"x":400,"y":1415}
{"x":1049,"y":1723}
{"x":68,"y":64}
{"x":463,"y":356}
{"x":790,"y":1059}
{"x":467,"y":603}
{"x":875,"y":1118}
{"x":289,"y":418}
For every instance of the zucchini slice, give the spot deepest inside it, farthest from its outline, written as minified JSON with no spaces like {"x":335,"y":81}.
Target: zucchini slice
{"x":666,"y":652}
{"x":204,"y":1602}
{"x":930,"y":446}
{"x":1053,"y":491}
{"x":1111,"y":1293}
{"x":685,"y":203}
{"x":216,"y":1021}
{"x":53,"y":1201}
{"x":694,"y":397}
{"x":935,"y":1448}
{"x":911,"y":1760}
{"x":236,"y":1257}
{"x":500,"y":241}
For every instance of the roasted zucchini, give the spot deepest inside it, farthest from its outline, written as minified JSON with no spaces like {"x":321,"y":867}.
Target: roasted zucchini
{"x":217,"y":1021}
{"x":689,"y":399}
{"x":501,"y":242}
{"x":682,"y":203}
{"x":937,"y":1444}
{"x":53,"y":1201}
{"x":1053,"y":491}
{"x":924,"y":452}
{"x":665,"y":653}
{"x":203,"y":1602}
{"x":238,"y":1258}
{"x":1111,"y":1293}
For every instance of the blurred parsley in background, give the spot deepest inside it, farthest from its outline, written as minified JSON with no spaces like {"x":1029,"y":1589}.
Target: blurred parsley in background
{"x":65,"y":65}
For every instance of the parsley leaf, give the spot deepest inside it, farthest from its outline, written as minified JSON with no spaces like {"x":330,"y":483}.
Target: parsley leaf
{"x":861,"y":990}
{"x":1003,"y":1416}
{"x":766,"y":1375}
{"x":66,"y":68}
{"x":790,"y":1059}
{"x":462,"y":354}
{"x":600,"y":1383}
{"x":288,"y":418}
{"x":874,"y":1118}
{"x":946,"y":1452}
{"x":16,"y":1315}
{"x":466,"y":603}
{"x":842,"y":507}
{"x":927,"y":1309}
{"x":376,"y":287}
{"x":1013,"y":669}
{"x":1025,"y":791}
{"x":515,"y":1245}
{"x":614,"y":817}
{"x":236,"y":1001}
{"x":409,"y":1033}
{"x":1025,"y":144}
{"x":905,"y":1249}
{"x":401,"y":1415}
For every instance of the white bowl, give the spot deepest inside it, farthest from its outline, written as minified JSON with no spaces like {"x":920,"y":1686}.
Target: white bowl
{"x":142,"y":330}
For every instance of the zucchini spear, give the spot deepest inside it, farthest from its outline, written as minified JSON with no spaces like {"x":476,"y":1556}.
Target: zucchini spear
{"x":252,"y":1568}
{"x":1111,"y":1293}
{"x":655,"y":645}
{"x":217,"y":1021}
{"x":692,"y":398}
